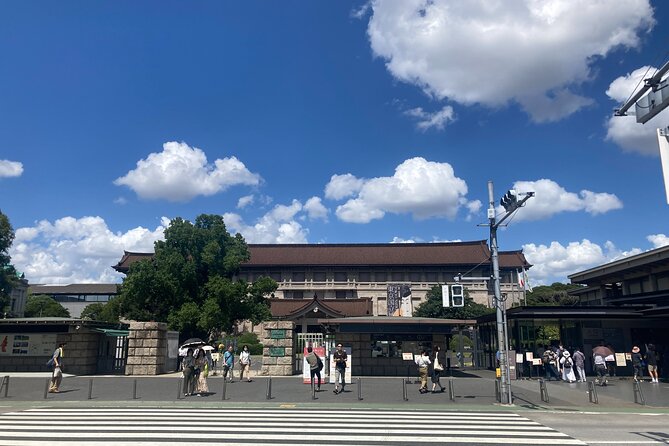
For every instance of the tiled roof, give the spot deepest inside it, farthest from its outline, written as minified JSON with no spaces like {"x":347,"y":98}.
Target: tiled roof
{"x":294,"y":308}
{"x":345,"y":255}
{"x":75,"y":288}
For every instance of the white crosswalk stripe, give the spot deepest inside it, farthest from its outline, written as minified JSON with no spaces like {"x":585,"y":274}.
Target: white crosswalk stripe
{"x":146,"y":426}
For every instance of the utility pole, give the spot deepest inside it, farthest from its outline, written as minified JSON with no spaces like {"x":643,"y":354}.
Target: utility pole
{"x":511,"y":204}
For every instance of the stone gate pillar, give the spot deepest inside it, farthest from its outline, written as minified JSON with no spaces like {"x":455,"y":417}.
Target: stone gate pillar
{"x":278,"y":357}
{"x":147,"y":348}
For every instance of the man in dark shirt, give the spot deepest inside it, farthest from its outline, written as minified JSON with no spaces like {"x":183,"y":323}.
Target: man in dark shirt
{"x":340,"y":359}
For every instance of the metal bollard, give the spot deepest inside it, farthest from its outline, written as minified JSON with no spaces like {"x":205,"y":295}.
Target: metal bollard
{"x":543,"y":390}
{"x":90,"y":389}
{"x":451,"y":390}
{"x":134,"y":389}
{"x":359,"y":389}
{"x":224,"y":390}
{"x":313,"y":390}
{"x":179,"y":388}
{"x":405,"y":396}
{"x":638,"y":394}
{"x":498,"y":392}
{"x":268,"y":395}
{"x":46,"y":387}
{"x":592,"y":393}
{"x":5,"y":384}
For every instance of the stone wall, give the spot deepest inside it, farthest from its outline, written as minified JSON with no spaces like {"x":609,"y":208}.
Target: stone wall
{"x":147,"y":348}
{"x":273,"y":364}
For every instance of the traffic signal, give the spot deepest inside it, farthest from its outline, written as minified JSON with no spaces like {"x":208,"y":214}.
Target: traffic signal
{"x":445,"y":301}
{"x":509,"y":200}
{"x":457,"y":295}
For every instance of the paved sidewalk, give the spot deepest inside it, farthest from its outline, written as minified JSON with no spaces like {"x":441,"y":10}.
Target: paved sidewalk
{"x":471,"y":389}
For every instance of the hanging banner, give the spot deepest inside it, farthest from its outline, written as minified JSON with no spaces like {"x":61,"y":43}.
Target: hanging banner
{"x":399,"y":300}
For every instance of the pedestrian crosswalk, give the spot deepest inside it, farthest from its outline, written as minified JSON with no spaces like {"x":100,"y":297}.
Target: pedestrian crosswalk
{"x":146,"y":426}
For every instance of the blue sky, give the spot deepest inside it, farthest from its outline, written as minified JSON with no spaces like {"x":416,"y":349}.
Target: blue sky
{"x":327,"y":122}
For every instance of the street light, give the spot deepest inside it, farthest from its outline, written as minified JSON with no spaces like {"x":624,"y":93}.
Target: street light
{"x":511,"y":204}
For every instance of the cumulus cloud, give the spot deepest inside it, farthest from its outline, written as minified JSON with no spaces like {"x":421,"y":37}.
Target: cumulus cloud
{"x":77,"y":250}
{"x":658,"y":240}
{"x":279,"y":225}
{"x":10,"y":168}
{"x":536,"y":54}
{"x":180,"y":173}
{"x":556,"y":261}
{"x":342,"y":186}
{"x":419,"y":187}
{"x":624,"y":131}
{"x":245,"y":201}
{"x":315,"y":209}
{"x":427,"y":120}
{"x":551,"y":198}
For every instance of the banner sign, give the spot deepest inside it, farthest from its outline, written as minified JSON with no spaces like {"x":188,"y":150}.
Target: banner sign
{"x":399,"y":300}
{"x":32,"y":344}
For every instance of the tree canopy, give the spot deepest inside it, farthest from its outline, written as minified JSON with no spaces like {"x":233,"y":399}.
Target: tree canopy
{"x":555,"y":294}
{"x":432,"y":307}
{"x":7,"y":271}
{"x":104,"y":312}
{"x":44,"y":306}
{"x":189,"y":281}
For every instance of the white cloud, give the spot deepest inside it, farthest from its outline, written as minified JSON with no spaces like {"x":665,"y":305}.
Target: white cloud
{"x":403,"y":240}
{"x":279,"y":225}
{"x":427,"y":120}
{"x":422,"y":188}
{"x":10,"y":168}
{"x":535,"y":53}
{"x":658,"y":240}
{"x":72,"y":250}
{"x":180,"y":173}
{"x":245,"y":201}
{"x":551,"y":198}
{"x":315,"y":209}
{"x":342,"y":186}
{"x":121,"y":201}
{"x":624,"y":131}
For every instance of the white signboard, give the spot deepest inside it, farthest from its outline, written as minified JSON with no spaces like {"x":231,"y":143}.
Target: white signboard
{"x":29,"y":344}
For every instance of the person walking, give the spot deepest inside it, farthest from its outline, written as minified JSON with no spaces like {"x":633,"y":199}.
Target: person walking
{"x":57,"y":363}
{"x":636,"y":362}
{"x":600,"y":368}
{"x":437,"y":367}
{"x":188,"y":366}
{"x":340,"y":358}
{"x":579,"y":362}
{"x":567,"y":364}
{"x":315,"y":366}
{"x":201,"y":373}
{"x":245,"y":364}
{"x":651,"y":362}
{"x":228,"y":362}
{"x":423,"y":361}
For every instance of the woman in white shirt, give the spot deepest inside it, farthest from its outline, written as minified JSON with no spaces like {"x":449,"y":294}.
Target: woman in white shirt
{"x":437,"y":367}
{"x":245,"y":364}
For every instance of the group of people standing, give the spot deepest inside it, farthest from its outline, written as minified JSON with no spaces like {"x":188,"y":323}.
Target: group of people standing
{"x":430,"y":365}
{"x":561,"y":365}
{"x":196,"y":365}
{"x":649,"y":360}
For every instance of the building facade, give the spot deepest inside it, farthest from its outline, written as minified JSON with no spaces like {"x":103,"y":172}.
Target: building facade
{"x":76,"y":297}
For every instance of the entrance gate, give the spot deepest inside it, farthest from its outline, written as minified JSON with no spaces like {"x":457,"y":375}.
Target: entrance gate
{"x":303,"y":340}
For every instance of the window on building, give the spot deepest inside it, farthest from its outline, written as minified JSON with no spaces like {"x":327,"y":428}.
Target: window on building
{"x":397,"y":276}
{"x":276,"y":275}
{"x":298,"y":276}
{"x":381,"y":277}
{"x":295,"y":294}
{"x":431,"y":276}
{"x":340,"y":294}
{"x":340,"y":276}
{"x":319,"y":276}
{"x":414,"y":277}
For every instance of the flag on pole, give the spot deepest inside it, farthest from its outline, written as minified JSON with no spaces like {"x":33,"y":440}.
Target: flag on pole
{"x":526,"y":281}
{"x":521,"y":279}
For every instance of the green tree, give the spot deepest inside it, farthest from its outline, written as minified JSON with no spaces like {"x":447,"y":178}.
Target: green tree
{"x":44,"y":306}
{"x":189,"y":281}
{"x":7,"y":271}
{"x":555,"y":294}
{"x":432,"y":307}
{"x":107,"y":312}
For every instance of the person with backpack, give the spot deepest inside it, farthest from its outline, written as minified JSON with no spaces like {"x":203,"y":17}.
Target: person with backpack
{"x":550,"y":358}
{"x":56,"y":362}
{"x":315,"y":365}
{"x":636,"y":362}
{"x":567,"y":367}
